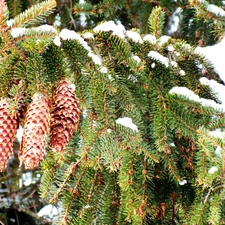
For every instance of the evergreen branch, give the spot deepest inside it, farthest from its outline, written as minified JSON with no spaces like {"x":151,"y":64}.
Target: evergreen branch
{"x":46,"y":181}
{"x":203,"y":10}
{"x":156,"y":21}
{"x":73,"y":193}
{"x":39,"y":35}
{"x":94,"y":137}
{"x":67,"y":174}
{"x":49,"y":168}
{"x":34,"y":14}
{"x":9,"y":43}
{"x":92,"y":187}
{"x":214,"y":141}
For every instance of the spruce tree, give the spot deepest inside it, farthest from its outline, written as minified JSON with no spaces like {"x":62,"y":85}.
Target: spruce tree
{"x":118,"y":122}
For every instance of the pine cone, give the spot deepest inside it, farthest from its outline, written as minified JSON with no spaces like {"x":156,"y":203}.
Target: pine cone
{"x":65,"y":116}
{"x":36,"y":126}
{"x":8,"y":129}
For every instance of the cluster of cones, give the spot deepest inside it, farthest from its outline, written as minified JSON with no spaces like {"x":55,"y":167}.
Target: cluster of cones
{"x":60,"y":118}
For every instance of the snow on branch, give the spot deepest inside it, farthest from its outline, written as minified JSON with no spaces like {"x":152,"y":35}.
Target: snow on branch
{"x":192,"y":96}
{"x":118,"y":30}
{"x":127,"y":122}
{"x":157,"y":56}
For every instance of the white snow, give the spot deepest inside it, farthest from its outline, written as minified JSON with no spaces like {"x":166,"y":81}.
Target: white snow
{"x":104,"y":69}
{"x":20,"y":31}
{"x":170,"y":48}
{"x":217,"y":133}
{"x":218,"y":151}
{"x":173,"y":63}
{"x":127,"y":122}
{"x":17,"y":32}
{"x":10,"y":22}
{"x":163,"y":39}
{"x":85,"y":113}
{"x":134,"y":36}
{"x":66,"y":34}
{"x":19,"y":133}
{"x":157,"y":56}
{"x":153,"y":65}
{"x":216,"y":10}
{"x":118,"y":30}
{"x":97,"y":60}
{"x":49,"y":210}
{"x":216,"y":87}
{"x":177,"y":53}
{"x":182,"y":72}
{"x":72,"y":86}
{"x":183,"y":182}
{"x":192,"y":96}
{"x":136,"y":58}
{"x":213,"y":169}
{"x":150,"y":38}
{"x":88,"y":35}
{"x":45,"y":28}
{"x":57,"y":41}
{"x":216,"y":55}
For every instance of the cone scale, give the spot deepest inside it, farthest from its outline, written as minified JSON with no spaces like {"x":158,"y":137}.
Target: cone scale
{"x":36,"y":127}
{"x":8,"y":129}
{"x":64,"y":117}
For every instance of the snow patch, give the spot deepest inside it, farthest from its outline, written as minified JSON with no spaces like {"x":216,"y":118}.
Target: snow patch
{"x":163,"y":39}
{"x":157,"y":56}
{"x":17,"y":32}
{"x":57,"y":41}
{"x":136,"y":58}
{"x":216,"y":55}
{"x":216,"y":10}
{"x":118,"y":30}
{"x":183,"y":182}
{"x":173,"y":63}
{"x":150,"y":38}
{"x":19,"y":133}
{"x":153,"y":65}
{"x":104,"y":69}
{"x":134,"y":36}
{"x":127,"y":122}
{"x":217,"y":88}
{"x":170,"y":48}
{"x":97,"y":60}
{"x":213,"y":169}
{"x":217,"y":133}
{"x":66,"y":34}
{"x":192,"y":96}
{"x":49,"y":211}
{"x":88,"y":35}
{"x":182,"y":73}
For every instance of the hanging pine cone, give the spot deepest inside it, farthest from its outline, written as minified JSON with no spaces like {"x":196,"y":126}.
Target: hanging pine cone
{"x":65,"y":116}
{"x":36,"y":126}
{"x":8,"y":129}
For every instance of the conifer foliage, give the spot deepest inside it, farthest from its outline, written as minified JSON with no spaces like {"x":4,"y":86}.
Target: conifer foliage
{"x":135,"y":142}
